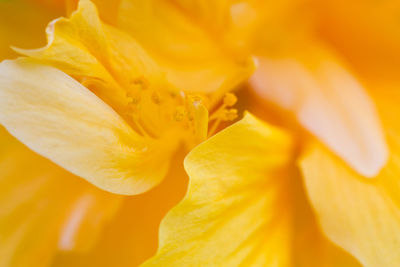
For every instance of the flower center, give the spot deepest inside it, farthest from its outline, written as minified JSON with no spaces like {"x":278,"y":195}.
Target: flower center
{"x":157,"y":109}
{"x":155,"y":112}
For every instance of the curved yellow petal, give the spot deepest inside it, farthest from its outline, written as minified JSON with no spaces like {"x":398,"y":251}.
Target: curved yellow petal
{"x":44,"y":209}
{"x":60,"y":119}
{"x":329,"y":102}
{"x":357,"y":215}
{"x":104,"y":58}
{"x":77,"y":44}
{"x":193,"y":58}
{"x":235,"y":212}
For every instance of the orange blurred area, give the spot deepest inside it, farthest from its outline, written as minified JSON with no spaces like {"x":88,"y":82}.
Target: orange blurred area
{"x":365,"y":32}
{"x":132,"y":236}
{"x":22,"y":23}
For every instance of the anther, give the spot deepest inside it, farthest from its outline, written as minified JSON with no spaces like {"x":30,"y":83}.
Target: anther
{"x":140,"y":82}
{"x":230,"y":114}
{"x":180,"y":113}
{"x":230,"y":99}
{"x":134,"y":98}
{"x":156,"y":98}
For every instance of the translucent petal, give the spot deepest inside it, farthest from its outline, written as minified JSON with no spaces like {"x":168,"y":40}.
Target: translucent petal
{"x":329,"y":102}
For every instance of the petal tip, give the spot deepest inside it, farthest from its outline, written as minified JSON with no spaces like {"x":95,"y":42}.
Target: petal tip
{"x":371,"y":165}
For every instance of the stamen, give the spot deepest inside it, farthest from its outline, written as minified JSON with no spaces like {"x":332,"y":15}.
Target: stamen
{"x":134,"y":115}
{"x":230,"y":99}
{"x":214,"y":127}
{"x":223,"y":113}
{"x":180,"y":114}
{"x":134,"y":98}
{"x":154,"y":112}
{"x":140,"y":83}
{"x":230,"y":114}
{"x":156,"y":98}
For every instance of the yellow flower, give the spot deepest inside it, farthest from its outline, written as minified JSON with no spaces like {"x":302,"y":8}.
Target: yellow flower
{"x":119,"y":101}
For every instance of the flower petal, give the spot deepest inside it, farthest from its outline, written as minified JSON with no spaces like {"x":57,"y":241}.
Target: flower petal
{"x":329,"y":102}
{"x":192,"y":59}
{"x":38,"y":201}
{"x":76,"y":44}
{"x":98,"y":55}
{"x":311,"y":248}
{"x":60,"y":119}
{"x":361,"y":217}
{"x":236,"y":209}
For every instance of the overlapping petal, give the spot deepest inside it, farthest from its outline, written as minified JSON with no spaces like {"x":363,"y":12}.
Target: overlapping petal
{"x":192,"y":57}
{"x":329,"y":102}
{"x":59,"y":118}
{"x":244,"y":206}
{"x":104,"y":58}
{"x":362,"y":217}
{"x":355,"y":214}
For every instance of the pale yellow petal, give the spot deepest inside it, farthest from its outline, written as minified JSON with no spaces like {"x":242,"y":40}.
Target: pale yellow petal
{"x":328,"y":101}
{"x":357,"y":215}
{"x":60,"y":119}
{"x":38,"y":201}
{"x":193,"y":59}
{"x":236,"y":211}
